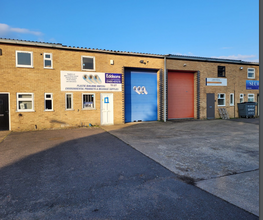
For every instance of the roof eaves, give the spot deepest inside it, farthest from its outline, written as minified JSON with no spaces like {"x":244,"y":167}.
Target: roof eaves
{"x":209,"y":59}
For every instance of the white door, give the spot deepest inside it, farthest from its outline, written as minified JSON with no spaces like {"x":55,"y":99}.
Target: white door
{"x":106,"y":108}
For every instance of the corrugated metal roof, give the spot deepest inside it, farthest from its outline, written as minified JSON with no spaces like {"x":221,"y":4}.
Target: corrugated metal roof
{"x":17,"y":41}
{"x":209,"y":59}
{"x":169,"y":56}
{"x":59,"y":45}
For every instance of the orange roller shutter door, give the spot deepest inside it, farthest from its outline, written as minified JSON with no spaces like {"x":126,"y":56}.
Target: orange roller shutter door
{"x":180,"y":95}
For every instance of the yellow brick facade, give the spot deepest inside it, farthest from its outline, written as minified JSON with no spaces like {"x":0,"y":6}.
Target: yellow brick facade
{"x":236,"y":83}
{"x":38,"y":80}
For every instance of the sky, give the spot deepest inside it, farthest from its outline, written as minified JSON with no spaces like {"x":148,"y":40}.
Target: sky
{"x":226,"y":29}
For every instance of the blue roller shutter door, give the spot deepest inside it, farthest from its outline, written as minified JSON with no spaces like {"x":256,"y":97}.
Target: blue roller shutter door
{"x":140,"y":95}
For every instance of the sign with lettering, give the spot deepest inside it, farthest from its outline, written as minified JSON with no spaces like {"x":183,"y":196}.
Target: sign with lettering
{"x":252,"y":84}
{"x":90,"y":81}
{"x":216,"y":82}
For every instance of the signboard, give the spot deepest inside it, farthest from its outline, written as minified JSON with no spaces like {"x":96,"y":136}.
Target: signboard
{"x":216,"y":82}
{"x":90,"y":81}
{"x":252,"y":84}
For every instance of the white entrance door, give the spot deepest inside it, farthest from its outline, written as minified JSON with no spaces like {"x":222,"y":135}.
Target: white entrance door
{"x":106,"y":108}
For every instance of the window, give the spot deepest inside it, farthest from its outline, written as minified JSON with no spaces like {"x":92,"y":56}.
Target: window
{"x":232,"y":102}
{"x":24,"y":59}
{"x":221,"y":99}
{"x":241,"y":98}
{"x":250,"y":97}
{"x":25,"y":102}
{"x":221,"y":71}
{"x":69,"y":101}
{"x":48,"y":60}
{"x":48,"y":102}
{"x":88,"y":101}
{"x":251,"y":73}
{"x":88,"y":63}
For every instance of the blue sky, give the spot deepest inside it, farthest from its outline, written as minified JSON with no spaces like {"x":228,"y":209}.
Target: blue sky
{"x":208,"y":28}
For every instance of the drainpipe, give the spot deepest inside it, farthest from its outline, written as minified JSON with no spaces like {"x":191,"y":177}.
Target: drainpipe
{"x":164,"y":89}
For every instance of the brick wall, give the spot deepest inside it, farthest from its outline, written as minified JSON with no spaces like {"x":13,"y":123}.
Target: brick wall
{"x":39,"y":81}
{"x":236,"y":82}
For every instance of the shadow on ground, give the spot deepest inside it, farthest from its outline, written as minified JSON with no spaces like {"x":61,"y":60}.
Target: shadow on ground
{"x":90,"y":174}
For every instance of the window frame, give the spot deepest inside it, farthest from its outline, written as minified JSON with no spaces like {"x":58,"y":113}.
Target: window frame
{"x":31,"y":60}
{"x":94,"y":101}
{"x":241,"y":97}
{"x":45,"y":98}
{"x":93,"y":63}
{"x":221,"y":98}
{"x":51,"y":59}
{"x":67,"y":109}
{"x":254,"y":73}
{"x":224,"y":71}
{"x":252,"y":95}
{"x":233,"y":103}
{"x":24,"y":99}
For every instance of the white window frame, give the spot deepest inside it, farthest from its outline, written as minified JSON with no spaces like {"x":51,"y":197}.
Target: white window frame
{"x":94,"y":101}
{"x":241,"y":96}
{"x":253,"y":77}
{"x":249,"y":97}
{"x":45,"y":98}
{"x":93,"y":63}
{"x":24,"y":99}
{"x":25,"y":66}
{"x":231,"y":103}
{"x":71,"y":101}
{"x":220,"y":98}
{"x":51,"y":59}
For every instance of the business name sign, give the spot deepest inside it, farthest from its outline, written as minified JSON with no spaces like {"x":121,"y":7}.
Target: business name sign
{"x":90,"y":81}
{"x":216,"y":82}
{"x":252,"y":84}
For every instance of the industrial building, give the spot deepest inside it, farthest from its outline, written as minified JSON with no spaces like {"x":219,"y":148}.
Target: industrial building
{"x":49,"y":86}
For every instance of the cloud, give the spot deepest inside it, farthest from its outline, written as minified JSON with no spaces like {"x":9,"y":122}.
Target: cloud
{"x":6,"y":30}
{"x":226,"y":48}
{"x":239,"y":57}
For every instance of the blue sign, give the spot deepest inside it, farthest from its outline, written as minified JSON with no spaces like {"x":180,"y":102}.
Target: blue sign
{"x":113,"y":78}
{"x":252,"y":84}
{"x":106,"y":100}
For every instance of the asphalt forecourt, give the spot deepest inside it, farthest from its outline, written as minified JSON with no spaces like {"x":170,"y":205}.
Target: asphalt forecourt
{"x":218,"y":156}
{"x":87,"y":173}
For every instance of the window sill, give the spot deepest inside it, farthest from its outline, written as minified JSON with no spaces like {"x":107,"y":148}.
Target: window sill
{"x":221,"y":105}
{"x":251,"y":78}
{"x":84,"y":109}
{"x":49,"y":68}
{"x":25,"y":111}
{"x":69,"y":109}
{"x":88,"y":70}
{"x":31,"y":67}
{"x":46,"y":110}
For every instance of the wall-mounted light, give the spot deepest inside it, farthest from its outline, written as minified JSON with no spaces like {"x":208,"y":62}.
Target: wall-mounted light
{"x":241,"y":67}
{"x":141,"y":61}
{"x":185,"y":64}
{"x":111,"y":62}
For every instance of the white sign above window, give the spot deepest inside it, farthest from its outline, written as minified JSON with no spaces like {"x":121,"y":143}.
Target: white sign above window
{"x":216,"y":82}
{"x":90,"y":81}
